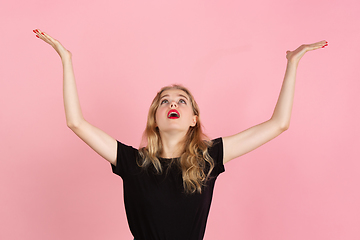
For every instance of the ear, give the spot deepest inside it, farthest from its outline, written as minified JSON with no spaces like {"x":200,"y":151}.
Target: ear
{"x":194,"y":121}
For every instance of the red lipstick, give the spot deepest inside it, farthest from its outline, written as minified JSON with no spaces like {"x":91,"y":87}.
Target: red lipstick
{"x":173,"y":114}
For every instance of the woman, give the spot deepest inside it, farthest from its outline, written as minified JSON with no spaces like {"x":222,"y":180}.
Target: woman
{"x":168,"y":184}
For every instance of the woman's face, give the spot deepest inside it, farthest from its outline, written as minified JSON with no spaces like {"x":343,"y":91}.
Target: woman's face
{"x":175,"y":112}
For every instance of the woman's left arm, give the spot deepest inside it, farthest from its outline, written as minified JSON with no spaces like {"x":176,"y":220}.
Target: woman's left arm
{"x":252,"y":138}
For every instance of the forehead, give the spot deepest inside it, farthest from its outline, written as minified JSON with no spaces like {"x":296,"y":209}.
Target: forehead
{"x":174,"y":93}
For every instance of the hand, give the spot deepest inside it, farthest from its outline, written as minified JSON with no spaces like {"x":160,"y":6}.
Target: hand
{"x":63,"y":52}
{"x":296,"y":55}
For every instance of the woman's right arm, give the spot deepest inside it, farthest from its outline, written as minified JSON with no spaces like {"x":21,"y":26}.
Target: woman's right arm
{"x":102,"y":143}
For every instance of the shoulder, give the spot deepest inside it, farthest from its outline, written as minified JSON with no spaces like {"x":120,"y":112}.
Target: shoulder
{"x":216,"y":152}
{"x":124,"y":150}
{"x":125,"y":159}
{"x":217,"y":141}
{"x":216,"y":148}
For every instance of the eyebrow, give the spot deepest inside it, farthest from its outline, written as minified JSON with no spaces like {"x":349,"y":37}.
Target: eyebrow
{"x":179,"y":95}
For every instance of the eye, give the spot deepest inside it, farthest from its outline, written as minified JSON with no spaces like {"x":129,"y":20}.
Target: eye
{"x":182,"y":101}
{"x":164,"y":101}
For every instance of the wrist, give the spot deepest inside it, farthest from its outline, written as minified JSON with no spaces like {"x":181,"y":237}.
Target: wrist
{"x":66,"y":60}
{"x":293,"y":63}
{"x":65,"y":57}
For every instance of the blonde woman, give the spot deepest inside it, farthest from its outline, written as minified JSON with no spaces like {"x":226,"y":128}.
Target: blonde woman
{"x":168,"y":183}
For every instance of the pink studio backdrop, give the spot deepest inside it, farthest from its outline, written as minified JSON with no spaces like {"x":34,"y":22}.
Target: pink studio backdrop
{"x":231,"y":54}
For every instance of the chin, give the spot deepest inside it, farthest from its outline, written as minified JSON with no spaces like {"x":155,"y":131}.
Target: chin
{"x":174,"y":129}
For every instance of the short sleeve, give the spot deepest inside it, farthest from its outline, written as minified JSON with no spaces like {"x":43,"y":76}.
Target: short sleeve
{"x":216,"y":151}
{"x":125,"y":160}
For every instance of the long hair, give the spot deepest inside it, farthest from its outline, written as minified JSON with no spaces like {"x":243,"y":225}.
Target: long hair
{"x":195,"y":162}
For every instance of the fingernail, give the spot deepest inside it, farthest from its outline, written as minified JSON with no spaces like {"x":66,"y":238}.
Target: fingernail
{"x":34,"y":31}
{"x":42,"y":33}
{"x":37,"y":36}
{"x":37,"y":30}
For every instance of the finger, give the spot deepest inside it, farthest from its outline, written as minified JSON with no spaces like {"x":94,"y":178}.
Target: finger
{"x":45,"y":37}
{"x":36,"y":33}
{"x":321,"y":43}
{"x":325,"y":44}
{"x":39,"y":34}
{"x":317,"y":45}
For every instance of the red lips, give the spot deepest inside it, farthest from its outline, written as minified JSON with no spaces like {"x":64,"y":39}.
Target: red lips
{"x":173,"y":114}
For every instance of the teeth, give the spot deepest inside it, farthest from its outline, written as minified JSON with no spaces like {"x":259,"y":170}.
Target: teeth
{"x":173,"y":114}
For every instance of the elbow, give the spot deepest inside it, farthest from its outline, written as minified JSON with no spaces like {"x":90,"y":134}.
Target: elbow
{"x":284,"y":127}
{"x":281,"y":125}
{"x":73,"y":125}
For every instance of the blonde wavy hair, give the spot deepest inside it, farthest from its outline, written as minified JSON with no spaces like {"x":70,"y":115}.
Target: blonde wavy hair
{"x":195,"y":162}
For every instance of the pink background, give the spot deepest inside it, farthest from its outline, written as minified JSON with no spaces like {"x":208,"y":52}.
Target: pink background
{"x":231,"y":54}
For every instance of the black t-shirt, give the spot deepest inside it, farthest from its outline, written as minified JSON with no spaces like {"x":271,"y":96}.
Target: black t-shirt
{"x":157,"y":207}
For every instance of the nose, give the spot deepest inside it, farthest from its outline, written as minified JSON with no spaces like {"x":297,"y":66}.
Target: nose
{"x":173,"y":104}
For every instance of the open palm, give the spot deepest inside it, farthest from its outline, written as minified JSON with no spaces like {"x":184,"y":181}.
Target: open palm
{"x":297,"y":54}
{"x":60,"y":49}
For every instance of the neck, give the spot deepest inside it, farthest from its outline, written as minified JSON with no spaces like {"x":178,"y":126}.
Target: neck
{"x":173,"y":144}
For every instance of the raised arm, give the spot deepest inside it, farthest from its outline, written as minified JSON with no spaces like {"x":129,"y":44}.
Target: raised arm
{"x":98,"y":140}
{"x":252,"y":138}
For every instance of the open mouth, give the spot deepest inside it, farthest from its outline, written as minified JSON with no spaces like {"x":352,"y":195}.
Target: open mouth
{"x":173,"y":114}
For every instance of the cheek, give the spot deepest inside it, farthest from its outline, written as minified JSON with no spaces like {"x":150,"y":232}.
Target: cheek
{"x":158,"y":114}
{"x":188,"y":111}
